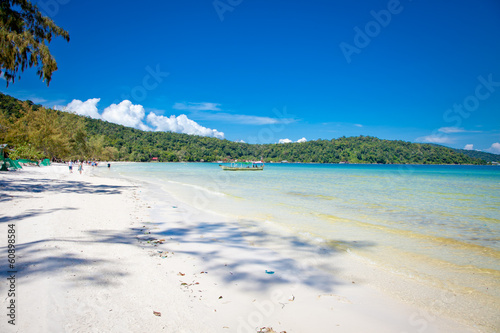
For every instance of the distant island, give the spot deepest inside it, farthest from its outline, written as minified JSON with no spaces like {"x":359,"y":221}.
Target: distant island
{"x":35,"y":132}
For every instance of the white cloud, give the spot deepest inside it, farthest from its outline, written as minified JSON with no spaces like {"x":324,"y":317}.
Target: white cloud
{"x":197,"y":106}
{"x":290,"y":141}
{"x":38,"y":100}
{"x":433,"y":138}
{"x":449,"y":130}
{"x":241,"y":141}
{"x":284,"y":141}
{"x":126,"y":114}
{"x":87,"y":108}
{"x":56,"y":104}
{"x":495,"y":148}
{"x":181,"y":124}
{"x":358,"y":125}
{"x":248,"y":120}
{"x":469,"y":147}
{"x":243,"y":119}
{"x":2,"y":77}
{"x":203,"y":111}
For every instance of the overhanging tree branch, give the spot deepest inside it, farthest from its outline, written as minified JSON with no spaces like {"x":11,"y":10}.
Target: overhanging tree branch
{"x":24,"y":37}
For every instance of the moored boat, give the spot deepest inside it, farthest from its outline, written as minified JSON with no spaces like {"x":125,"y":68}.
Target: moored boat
{"x":244,"y":166}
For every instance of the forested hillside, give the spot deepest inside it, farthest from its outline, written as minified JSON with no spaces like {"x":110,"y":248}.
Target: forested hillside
{"x":488,"y":157}
{"x":32,"y":131}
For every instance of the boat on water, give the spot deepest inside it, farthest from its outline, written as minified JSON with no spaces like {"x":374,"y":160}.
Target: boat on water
{"x":243,"y":166}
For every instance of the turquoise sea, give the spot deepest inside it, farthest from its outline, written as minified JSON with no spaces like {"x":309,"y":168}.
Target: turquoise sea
{"x":435,"y":223}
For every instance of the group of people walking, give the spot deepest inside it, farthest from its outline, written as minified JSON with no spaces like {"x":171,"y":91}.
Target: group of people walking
{"x":80,"y":165}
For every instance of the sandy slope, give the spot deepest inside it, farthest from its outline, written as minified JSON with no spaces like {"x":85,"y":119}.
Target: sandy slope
{"x":87,"y":261}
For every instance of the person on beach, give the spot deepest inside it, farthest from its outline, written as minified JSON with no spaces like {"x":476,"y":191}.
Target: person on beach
{"x":80,"y":167}
{"x":109,"y":165}
{"x":70,"y":166}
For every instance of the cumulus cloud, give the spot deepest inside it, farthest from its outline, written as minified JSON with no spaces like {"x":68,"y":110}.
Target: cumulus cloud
{"x":284,"y":141}
{"x":469,"y":147}
{"x":126,"y":114}
{"x":495,"y":148}
{"x":87,"y":108}
{"x":197,"y":106}
{"x":290,"y":141}
{"x":181,"y":124}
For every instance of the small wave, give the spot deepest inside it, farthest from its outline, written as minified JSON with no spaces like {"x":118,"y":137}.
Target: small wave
{"x":198,"y":187}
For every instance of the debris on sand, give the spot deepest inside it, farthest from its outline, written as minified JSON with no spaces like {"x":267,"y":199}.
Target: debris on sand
{"x":268,"y":330}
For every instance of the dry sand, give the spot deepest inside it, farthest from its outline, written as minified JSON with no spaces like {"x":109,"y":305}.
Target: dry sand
{"x":97,"y":254}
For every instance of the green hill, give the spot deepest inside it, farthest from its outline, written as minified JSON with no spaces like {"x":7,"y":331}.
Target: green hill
{"x":34,"y":131}
{"x":488,"y":157}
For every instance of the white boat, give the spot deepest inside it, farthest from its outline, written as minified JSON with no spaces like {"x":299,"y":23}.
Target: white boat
{"x":244,"y":166}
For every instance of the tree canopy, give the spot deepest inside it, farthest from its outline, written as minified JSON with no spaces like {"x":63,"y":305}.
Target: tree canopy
{"x":35,"y":132}
{"x":24,"y":37}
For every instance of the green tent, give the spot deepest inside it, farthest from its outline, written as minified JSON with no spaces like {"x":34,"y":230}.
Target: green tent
{"x":7,"y":164}
{"x":13,"y":164}
{"x":26,"y":161}
{"x":3,"y":161}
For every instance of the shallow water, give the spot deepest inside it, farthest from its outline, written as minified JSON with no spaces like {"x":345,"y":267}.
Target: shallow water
{"x":433,"y":223}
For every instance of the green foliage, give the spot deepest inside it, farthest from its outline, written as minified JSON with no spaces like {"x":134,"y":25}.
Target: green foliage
{"x":64,"y":135}
{"x":24,"y":35}
{"x":25,"y":151}
{"x":136,"y":145}
{"x":37,"y":132}
{"x":488,"y":157}
{"x":77,"y":137}
{"x":40,"y":129}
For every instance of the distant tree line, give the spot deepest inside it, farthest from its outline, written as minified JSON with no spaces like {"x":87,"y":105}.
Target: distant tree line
{"x":488,"y":157}
{"x":35,"y":132}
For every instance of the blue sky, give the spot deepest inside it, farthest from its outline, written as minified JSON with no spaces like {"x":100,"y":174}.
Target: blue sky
{"x":261,"y":71}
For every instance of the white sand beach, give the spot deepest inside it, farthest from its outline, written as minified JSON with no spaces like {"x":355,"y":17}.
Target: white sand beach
{"x":96,"y":254}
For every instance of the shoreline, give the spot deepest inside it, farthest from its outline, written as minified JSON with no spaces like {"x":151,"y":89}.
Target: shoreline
{"x":89,"y":258}
{"x":431,"y":300}
{"x":314,"y":163}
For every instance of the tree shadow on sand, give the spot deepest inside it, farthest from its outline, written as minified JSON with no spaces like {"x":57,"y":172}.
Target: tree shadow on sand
{"x":240,"y":255}
{"x":238,"y":252}
{"x":44,"y":257}
{"x":9,"y":187}
{"x":257,"y":260}
{"x":31,"y":213}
